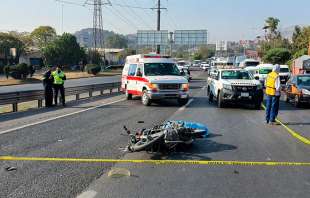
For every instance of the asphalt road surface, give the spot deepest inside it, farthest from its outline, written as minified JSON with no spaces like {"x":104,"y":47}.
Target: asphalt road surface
{"x":237,"y":133}
{"x":68,"y":83}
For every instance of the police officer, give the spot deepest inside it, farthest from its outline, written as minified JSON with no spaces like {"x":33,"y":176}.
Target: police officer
{"x":273,"y":92}
{"x":59,"y":80}
{"x":48,"y":87}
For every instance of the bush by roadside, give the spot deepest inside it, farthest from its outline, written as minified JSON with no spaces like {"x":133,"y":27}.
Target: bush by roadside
{"x":20,"y":71}
{"x":92,"y":69}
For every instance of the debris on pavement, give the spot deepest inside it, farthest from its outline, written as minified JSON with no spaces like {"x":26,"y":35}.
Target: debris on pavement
{"x":11,"y":168}
{"x":166,"y":136}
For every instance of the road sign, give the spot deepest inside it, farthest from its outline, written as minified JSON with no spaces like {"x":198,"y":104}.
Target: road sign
{"x":191,"y":37}
{"x":152,"y":37}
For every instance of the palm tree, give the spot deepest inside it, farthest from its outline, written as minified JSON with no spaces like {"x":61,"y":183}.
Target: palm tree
{"x":271,"y":24}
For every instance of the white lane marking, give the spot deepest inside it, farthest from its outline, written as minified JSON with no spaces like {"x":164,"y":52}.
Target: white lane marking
{"x":58,"y":117}
{"x":88,"y":194}
{"x":184,"y":107}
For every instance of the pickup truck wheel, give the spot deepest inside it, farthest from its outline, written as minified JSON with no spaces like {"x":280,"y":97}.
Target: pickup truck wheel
{"x":182,"y":101}
{"x":210,"y":95}
{"x":128,"y":96}
{"x":296,"y":101}
{"x":145,"y":99}
{"x":220,"y":102}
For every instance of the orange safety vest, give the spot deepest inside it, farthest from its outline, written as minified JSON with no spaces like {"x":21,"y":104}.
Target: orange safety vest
{"x":270,"y":83}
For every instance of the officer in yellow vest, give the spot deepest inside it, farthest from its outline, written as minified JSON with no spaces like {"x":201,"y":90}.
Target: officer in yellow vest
{"x":59,"y":80}
{"x":273,"y":93}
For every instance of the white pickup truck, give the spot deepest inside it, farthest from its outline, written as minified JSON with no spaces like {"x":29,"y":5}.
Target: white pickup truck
{"x":234,"y":85}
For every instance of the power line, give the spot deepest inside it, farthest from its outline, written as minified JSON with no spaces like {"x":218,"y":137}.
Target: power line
{"x":116,"y":13}
{"x":137,"y":16}
{"x":150,"y":17}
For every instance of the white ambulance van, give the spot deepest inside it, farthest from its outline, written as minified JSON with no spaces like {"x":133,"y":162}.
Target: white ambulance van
{"x":154,"y":77}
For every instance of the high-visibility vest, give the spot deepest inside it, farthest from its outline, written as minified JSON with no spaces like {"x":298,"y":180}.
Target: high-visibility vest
{"x":58,"y":77}
{"x":270,"y":83}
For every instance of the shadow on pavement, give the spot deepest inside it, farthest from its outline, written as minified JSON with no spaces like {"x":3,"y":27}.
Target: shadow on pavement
{"x":296,"y":123}
{"x":198,"y":150}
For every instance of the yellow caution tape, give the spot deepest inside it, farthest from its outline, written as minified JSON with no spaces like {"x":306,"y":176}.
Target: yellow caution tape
{"x":156,"y":162}
{"x":291,"y":131}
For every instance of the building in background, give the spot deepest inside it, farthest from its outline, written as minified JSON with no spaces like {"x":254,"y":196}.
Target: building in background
{"x":113,"y":56}
{"x":32,"y":56}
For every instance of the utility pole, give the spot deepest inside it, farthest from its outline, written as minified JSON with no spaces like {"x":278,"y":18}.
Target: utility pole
{"x":171,"y":42}
{"x":158,"y":23}
{"x":98,"y":39}
{"x":159,"y":8}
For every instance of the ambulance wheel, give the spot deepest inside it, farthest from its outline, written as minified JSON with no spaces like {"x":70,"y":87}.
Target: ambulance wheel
{"x":146,"y":99}
{"x":128,"y":96}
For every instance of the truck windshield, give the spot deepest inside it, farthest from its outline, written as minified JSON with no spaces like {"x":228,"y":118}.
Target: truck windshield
{"x":246,"y":64}
{"x":161,"y":69}
{"x":284,"y":70}
{"x":236,"y":75}
{"x":303,"y":80}
{"x":265,"y":71}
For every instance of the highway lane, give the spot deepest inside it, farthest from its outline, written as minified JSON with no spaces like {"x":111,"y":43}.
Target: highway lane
{"x":296,"y":118}
{"x":92,"y":134}
{"x":69,"y":83}
{"x":236,"y":134}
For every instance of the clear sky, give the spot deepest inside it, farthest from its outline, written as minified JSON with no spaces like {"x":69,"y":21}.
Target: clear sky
{"x":224,"y":19}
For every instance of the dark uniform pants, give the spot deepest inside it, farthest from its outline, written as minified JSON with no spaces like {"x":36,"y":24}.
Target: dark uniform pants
{"x":48,"y":92}
{"x":61,"y":89}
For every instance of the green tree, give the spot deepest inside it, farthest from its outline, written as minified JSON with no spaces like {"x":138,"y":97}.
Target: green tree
{"x":24,"y":37}
{"x":43,"y":35}
{"x":7,"y":42}
{"x":277,"y":56}
{"x":301,"y":38}
{"x":116,"y":41}
{"x":64,"y":50}
{"x":271,"y":25}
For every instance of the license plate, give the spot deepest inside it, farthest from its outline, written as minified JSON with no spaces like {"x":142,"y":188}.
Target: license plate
{"x":245,"y":94}
{"x":183,"y":96}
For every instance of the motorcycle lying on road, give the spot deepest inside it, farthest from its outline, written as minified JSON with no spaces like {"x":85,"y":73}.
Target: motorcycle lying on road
{"x":166,"y":136}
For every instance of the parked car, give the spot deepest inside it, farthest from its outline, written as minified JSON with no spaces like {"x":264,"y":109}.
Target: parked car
{"x":284,"y":73}
{"x":234,"y":86}
{"x":298,"y":89}
{"x":183,"y":64}
{"x":205,"y":66}
{"x":186,"y":73}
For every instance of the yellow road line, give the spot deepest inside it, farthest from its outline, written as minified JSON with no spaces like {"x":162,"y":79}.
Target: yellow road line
{"x":156,"y":162}
{"x":291,"y":131}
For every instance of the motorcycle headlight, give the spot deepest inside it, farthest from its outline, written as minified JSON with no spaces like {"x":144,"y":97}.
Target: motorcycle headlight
{"x":226,"y":86}
{"x":305,"y":91}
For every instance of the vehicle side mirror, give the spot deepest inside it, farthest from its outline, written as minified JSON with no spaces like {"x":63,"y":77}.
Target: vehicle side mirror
{"x":256,"y":78}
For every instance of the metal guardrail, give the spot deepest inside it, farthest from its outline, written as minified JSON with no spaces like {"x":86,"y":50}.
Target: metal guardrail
{"x":13,"y":98}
